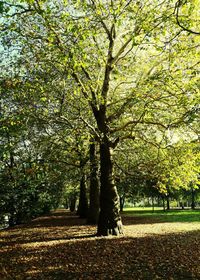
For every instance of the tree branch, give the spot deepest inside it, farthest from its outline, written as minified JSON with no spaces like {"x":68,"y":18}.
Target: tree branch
{"x":177,"y":6}
{"x":91,"y":88}
{"x":97,"y":136}
{"x":108,"y":69}
{"x":139,"y":121}
{"x":121,"y":50}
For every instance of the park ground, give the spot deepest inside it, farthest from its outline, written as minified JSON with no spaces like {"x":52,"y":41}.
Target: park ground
{"x":61,"y":246}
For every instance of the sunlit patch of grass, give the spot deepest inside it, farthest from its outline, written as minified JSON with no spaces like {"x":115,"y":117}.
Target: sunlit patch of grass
{"x":165,"y":216}
{"x":142,"y":209}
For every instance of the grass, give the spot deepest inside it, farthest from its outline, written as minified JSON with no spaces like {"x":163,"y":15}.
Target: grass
{"x":164,"y":216}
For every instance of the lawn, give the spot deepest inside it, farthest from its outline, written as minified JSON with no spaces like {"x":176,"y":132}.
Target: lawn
{"x":61,"y":246}
{"x":165,"y":216}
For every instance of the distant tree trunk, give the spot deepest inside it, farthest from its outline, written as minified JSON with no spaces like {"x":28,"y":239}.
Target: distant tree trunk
{"x":93,"y":213}
{"x":109,"y":219}
{"x":148,"y":201}
{"x":143,"y":202}
{"x":122,"y":201}
{"x":193,"y":199}
{"x":20,"y":217}
{"x":153,"y":206}
{"x":158,"y":201}
{"x":168,"y":203}
{"x":11,"y":220}
{"x":73,"y":200}
{"x":163,"y":199}
{"x":12,"y":212}
{"x":182,"y":205}
{"x":83,"y":202}
{"x":66,"y":203}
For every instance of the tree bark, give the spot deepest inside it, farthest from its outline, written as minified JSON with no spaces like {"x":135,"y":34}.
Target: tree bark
{"x":109,"y":222}
{"x":193,"y":199}
{"x":168,"y":203}
{"x":163,"y":199}
{"x":122,"y":201}
{"x":153,"y":206}
{"x":83,"y":203}
{"x":73,"y":199}
{"x":93,"y":213}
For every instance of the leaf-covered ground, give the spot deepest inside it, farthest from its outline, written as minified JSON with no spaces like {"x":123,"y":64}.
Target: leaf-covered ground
{"x":61,"y":246}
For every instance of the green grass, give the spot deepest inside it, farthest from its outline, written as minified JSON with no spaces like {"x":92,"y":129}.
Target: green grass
{"x":165,"y":216}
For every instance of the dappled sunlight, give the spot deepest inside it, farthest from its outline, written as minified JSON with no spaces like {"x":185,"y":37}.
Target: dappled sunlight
{"x":122,"y":257}
{"x":145,"y":251}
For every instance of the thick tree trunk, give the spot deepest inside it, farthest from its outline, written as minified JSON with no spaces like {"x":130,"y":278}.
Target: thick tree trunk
{"x":93,"y":213}
{"x":109,"y":218}
{"x":83,"y":203}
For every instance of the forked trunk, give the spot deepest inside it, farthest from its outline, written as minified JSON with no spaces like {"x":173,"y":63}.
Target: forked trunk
{"x":109,"y":219}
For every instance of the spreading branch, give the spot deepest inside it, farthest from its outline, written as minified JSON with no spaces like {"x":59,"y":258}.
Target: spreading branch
{"x":177,"y":7}
{"x":135,"y":122}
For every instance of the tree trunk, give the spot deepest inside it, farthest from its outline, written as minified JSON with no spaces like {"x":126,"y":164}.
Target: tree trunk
{"x":163,"y":203}
{"x":193,"y":199}
{"x":83,"y":203}
{"x":11,"y":220}
{"x":73,"y":199}
{"x":168,"y":203}
{"x":182,"y":205}
{"x":122,"y":201}
{"x":158,"y":201}
{"x":93,"y":213}
{"x":109,"y":219}
{"x":148,"y":201}
{"x":66,"y":203}
{"x":153,"y":206}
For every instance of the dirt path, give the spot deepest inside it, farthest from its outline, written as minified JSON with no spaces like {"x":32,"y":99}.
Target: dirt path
{"x":61,"y":246}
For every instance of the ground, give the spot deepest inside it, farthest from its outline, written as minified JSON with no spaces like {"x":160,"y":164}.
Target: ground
{"x":62,"y":246}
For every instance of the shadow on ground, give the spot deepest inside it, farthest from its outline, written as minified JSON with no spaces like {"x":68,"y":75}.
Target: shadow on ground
{"x":61,"y":246}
